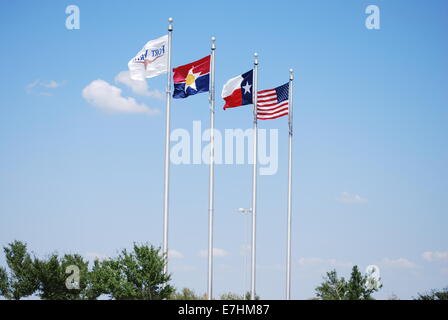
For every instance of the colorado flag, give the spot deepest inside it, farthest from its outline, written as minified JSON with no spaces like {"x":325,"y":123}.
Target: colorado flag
{"x":191,"y":78}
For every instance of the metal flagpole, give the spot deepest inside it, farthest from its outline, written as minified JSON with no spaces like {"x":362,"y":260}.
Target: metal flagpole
{"x":167,"y":150}
{"x":212,"y":172}
{"x":254,"y":177}
{"x":290,"y":114}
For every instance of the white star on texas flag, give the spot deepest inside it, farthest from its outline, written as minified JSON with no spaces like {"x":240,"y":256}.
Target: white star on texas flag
{"x":247,"y":88}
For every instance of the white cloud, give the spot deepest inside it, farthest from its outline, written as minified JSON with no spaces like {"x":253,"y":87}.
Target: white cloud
{"x":52,"y":84}
{"x":400,"y":263}
{"x":138,"y":87}
{"x":351,"y":198}
{"x":305,"y":261}
{"x":320,"y":261}
{"x":174,"y":254}
{"x":216,"y":253}
{"x":103,"y":95}
{"x":33,"y":84}
{"x":38,"y":84}
{"x":337,"y":263}
{"x":435,"y":256}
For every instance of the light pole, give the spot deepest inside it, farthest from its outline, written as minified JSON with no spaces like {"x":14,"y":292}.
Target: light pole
{"x":246,"y":212}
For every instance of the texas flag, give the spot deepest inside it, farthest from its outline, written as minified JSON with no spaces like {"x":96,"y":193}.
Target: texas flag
{"x":238,"y":91}
{"x":191,"y":78}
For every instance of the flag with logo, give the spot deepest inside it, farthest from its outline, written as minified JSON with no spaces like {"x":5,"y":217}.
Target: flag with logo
{"x":273,"y":103}
{"x":151,"y":61}
{"x":238,"y":91}
{"x":191,"y":78}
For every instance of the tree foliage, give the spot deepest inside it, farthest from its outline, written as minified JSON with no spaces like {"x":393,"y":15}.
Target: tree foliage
{"x":187,"y":294}
{"x":434,"y":295}
{"x":4,"y":283}
{"x":52,"y":274}
{"x":358,"y":287}
{"x":231,"y":296}
{"x":135,"y":274}
{"x":235,"y":296}
{"x":20,"y":282}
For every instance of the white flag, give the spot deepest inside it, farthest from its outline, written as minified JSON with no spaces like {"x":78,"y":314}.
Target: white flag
{"x":151,"y":61}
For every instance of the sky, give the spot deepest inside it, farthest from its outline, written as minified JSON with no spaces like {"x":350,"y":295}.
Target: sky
{"x":370,"y":139}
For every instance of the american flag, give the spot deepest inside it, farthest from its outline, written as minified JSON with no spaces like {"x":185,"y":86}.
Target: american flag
{"x":273,"y":103}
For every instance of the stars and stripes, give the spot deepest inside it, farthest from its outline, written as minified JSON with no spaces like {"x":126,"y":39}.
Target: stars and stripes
{"x":273,"y":103}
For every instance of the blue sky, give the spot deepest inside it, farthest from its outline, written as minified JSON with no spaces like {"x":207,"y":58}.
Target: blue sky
{"x":370,"y":148}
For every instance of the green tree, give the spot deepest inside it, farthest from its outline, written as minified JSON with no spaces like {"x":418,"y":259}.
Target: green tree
{"x":434,"y":295}
{"x":21,"y":281}
{"x":235,"y":296}
{"x":358,"y":287}
{"x":332,"y":288}
{"x":53,"y":276}
{"x":138,"y":275}
{"x":3,"y":282}
{"x":187,"y":294}
{"x":247,"y":296}
{"x":231,"y":296}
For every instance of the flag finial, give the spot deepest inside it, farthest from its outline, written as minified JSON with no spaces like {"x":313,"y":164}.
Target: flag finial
{"x":291,"y":74}
{"x":213,"y":43}
{"x":256,"y":58}
{"x":170,"y":26}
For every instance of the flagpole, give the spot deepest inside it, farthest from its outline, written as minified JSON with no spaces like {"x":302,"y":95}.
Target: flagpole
{"x":212,"y":172}
{"x":290,"y":127}
{"x":254,"y":177}
{"x":167,"y":150}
